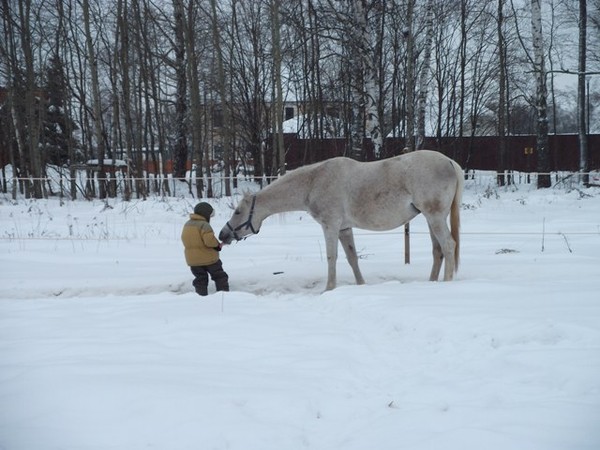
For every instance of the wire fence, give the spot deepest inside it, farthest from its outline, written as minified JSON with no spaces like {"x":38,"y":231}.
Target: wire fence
{"x":118,"y":185}
{"x":84,"y":186}
{"x":538,"y":234}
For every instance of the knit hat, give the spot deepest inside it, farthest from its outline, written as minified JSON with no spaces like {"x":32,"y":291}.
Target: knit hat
{"x":204,"y":209}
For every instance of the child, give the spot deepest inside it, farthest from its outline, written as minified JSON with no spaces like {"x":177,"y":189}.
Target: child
{"x":202,"y":250}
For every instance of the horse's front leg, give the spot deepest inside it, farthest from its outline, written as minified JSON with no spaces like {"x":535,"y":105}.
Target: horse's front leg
{"x":331,"y":247}
{"x":347,"y":239}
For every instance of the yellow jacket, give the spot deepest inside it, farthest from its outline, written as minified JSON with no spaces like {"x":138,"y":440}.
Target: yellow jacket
{"x":199,"y":241}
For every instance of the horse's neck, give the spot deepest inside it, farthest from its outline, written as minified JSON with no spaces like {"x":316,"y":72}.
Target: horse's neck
{"x":287,"y":194}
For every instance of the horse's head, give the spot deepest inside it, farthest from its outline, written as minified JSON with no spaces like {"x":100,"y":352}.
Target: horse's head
{"x":242,"y":223}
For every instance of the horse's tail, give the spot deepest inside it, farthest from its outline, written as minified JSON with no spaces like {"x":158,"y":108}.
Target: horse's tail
{"x":455,"y":212}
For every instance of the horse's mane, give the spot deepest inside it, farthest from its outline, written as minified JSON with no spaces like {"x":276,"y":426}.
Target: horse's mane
{"x":301,"y":174}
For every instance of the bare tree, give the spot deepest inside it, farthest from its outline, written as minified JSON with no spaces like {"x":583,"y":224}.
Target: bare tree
{"x":33,"y":98}
{"x":581,"y":99}
{"x":277,"y":109}
{"x":126,"y":94}
{"x":502,"y":150}
{"x":410,"y":75}
{"x":192,"y":56}
{"x":372,"y":87}
{"x":250,"y":71}
{"x":357,"y":33}
{"x":424,"y":76}
{"x":463,"y":65}
{"x":180,"y":151}
{"x":222,"y":90}
{"x":9,"y":53}
{"x":356,"y":25}
{"x":445,"y":70}
{"x":142,"y":75}
{"x":543,"y":151}
{"x":96,"y":100}
{"x":154,"y":53}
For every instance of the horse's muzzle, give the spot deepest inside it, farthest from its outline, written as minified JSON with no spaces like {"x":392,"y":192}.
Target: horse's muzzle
{"x":225,"y":236}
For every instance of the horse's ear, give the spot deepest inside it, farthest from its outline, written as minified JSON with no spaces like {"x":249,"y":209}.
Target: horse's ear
{"x":233,"y":203}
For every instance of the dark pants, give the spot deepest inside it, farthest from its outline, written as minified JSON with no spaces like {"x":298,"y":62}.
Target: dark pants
{"x":217,"y":274}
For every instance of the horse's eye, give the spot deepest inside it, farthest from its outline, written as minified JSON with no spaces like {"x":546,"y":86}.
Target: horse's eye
{"x":237,"y":212}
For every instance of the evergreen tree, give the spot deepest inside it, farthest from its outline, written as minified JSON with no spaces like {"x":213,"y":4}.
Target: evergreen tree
{"x":58,"y":127}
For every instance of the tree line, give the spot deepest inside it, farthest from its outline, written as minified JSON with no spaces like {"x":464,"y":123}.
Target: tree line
{"x":209,"y":81}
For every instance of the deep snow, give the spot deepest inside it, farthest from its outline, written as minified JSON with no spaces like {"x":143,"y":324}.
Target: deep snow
{"x":103,"y":344}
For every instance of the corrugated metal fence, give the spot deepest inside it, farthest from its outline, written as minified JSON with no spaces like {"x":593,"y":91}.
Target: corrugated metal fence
{"x":477,"y":152}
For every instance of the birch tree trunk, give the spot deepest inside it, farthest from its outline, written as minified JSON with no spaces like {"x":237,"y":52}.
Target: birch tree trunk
{"x":358,"y":32}
{"x":501,"y":180}
{"x":371,"y":88}
{"x":20,"y":169}
{"x":364,"y":82}
{"x":424,"y":78}
{"x":543,"y":151}
{"x":196,"y":105}
{"x":581,"y":122}
{"x":373,"y":124}
{"x":410,"y":77}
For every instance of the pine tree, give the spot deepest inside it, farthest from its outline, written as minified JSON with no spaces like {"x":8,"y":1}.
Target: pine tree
{"x":57,"y":137}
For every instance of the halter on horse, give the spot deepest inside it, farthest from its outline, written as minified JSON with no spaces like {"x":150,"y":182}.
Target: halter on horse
{"x":244,"y":225}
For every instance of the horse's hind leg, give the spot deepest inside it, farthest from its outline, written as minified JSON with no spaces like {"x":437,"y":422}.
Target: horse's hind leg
{"x":346,"y":237}
{"x":438,"y":257}
{"x":440,"y":233}
{"x":331,"y":247}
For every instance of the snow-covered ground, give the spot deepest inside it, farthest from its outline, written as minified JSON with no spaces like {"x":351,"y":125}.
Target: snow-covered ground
{"x":104,"y":345}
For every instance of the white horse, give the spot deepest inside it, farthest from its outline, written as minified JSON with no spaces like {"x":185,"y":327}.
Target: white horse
{"x":341,"y":194}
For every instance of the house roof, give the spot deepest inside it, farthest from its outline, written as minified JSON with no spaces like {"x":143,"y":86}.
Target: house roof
{"x":304,"y":126}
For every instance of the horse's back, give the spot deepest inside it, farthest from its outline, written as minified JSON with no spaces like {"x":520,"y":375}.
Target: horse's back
{"x":424,"y":164}
{"x":381,"y":194}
